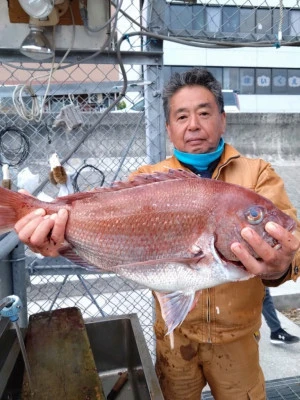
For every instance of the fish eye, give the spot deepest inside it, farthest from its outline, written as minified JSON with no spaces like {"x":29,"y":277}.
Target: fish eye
{"x":255,"y":215}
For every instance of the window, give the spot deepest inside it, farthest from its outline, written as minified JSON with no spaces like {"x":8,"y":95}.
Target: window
{"x":293,"y":81}
{"x":263,"y":21}
{"x":230,"y":19}
{"x":279,"y":81}
{"x":231,"y":78}
{"x":198,"y":17}
{"x":181,"y":17}
{"x":247,"y":20}
{"x":213,"y":19}
{"x":247,"y":80}
{"x":190,"y":16}
{"x":294,"y":23}
{"x":263,"y":81}
{"x":250,"y":80}
{"x":285,"y":21}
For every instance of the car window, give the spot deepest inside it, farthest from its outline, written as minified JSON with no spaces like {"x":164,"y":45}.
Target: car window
{"x":231,"y":101}
{"x":229,"y":98}
{"x":139,"y":106}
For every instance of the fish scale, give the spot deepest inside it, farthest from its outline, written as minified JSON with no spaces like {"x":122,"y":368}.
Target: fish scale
{"x":170,"y":232}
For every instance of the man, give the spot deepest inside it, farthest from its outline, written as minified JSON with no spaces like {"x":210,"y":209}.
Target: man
{"x":217,"y":342}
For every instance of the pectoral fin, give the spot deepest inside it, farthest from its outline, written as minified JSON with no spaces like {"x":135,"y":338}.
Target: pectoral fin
{"x":175,"y":307}
{"x":69,"y":252}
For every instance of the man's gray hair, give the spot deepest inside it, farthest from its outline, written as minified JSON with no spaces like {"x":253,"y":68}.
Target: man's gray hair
{"x":192,"y":77}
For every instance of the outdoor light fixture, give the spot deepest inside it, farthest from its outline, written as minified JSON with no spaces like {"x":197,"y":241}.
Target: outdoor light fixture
{"x":37,"y":8}
{"x":42,"y":13}
{"x":36,"y":45}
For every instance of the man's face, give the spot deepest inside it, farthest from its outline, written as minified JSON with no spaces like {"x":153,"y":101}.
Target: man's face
{"x":195,"y":123}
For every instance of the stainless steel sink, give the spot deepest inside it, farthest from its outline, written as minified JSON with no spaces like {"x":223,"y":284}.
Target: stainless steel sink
{"x":118,"y":346}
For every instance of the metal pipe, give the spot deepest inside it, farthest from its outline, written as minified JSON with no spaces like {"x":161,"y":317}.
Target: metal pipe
{"x":5,"y":302}
{"x":18,"y":268}
{"x":8,"y":243}
{"x":24,"y":354}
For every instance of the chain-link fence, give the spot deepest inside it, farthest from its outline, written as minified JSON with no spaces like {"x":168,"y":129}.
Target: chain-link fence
{"x":97,"y":151}
{"x":80,"y":108}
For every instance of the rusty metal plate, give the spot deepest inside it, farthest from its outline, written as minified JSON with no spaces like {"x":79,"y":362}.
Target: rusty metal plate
{"x":60,"y":358}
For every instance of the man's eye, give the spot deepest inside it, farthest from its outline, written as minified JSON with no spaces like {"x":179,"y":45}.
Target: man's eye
{"x":182,"y":117}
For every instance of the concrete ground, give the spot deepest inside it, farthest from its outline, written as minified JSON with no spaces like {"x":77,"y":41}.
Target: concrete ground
{"x":281,"y":361}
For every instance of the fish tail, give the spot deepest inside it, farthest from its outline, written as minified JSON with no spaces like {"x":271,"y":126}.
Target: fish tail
{"x":13,"y":206}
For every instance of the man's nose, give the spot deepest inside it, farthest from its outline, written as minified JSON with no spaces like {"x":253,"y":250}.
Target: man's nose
{"x":194,"y":122}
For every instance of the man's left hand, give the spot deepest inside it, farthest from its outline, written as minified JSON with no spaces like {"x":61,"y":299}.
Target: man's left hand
{"x":273,"y":262}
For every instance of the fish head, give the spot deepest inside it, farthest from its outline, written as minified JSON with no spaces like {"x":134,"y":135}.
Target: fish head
{"x":252,"y":211}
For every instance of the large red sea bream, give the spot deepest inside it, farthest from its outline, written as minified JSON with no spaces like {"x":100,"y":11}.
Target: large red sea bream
{"x":168,"y":231}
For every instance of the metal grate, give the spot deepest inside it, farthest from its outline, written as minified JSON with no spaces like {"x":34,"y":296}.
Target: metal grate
{"x":277,"y":389}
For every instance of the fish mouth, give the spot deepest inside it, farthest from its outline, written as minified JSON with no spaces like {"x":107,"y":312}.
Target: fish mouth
{"x":292,"y":227}
{"x":291,"y":224}
{"x":225,"y":261}
{"x":274,"y":243}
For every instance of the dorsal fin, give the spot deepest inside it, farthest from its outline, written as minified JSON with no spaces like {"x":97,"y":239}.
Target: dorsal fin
{"x":170,"y":174}
{"x":145,"y":178}
{"x":137,"y":180}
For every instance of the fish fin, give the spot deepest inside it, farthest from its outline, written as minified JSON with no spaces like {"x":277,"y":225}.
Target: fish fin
{"x":15,"y":205}
{"x":189,"y":262}
{"x":169,"y":174}
{"x":196,"y":298}
{"x":8,"y":218}
{"x":174,"y":307}
{"x":10,"y":208}
{"x":144,"y":179}
{"x":137,"y":180}
{"x":69,"y":252}
{"x":74,"y":196}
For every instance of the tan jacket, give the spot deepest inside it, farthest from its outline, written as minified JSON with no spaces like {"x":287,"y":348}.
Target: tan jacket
{"x":229,"y":311}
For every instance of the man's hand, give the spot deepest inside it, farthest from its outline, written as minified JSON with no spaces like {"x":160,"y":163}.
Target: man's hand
{"x":273,"y":262}
{"x":43,"y":233}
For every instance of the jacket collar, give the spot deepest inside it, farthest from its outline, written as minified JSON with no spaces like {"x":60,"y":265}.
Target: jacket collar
{"x":229,"y":153}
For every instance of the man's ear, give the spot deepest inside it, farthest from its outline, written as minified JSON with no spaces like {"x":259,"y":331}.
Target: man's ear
{"x":223,"y":123}
{"x":168,"y":130}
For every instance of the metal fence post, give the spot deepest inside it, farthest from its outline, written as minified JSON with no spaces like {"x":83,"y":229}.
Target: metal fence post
{"x":19,"y":280}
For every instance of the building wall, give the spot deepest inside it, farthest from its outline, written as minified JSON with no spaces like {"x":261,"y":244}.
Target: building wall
{"x":284,"y":59}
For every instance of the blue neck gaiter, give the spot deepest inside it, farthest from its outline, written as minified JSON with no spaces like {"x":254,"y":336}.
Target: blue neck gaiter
{"x":200,"y":162}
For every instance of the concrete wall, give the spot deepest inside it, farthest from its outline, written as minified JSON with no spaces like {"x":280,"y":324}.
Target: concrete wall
{"x":275,"y":137}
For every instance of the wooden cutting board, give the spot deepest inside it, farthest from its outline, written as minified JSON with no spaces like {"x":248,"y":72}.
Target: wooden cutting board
{"x":60,"y":358}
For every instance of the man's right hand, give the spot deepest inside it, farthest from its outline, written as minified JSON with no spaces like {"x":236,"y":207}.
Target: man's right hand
{"x":43,"y":233}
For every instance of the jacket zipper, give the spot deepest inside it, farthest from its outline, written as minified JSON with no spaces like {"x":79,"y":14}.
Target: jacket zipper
{"x":208,"y":314}
{"x":224,"y":165}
